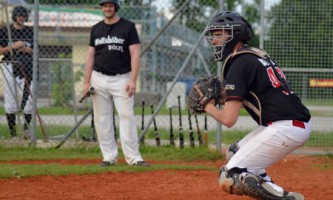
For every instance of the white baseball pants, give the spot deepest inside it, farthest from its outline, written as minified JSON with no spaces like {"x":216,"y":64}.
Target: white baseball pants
{"x":108,"y":87}
{"x":11,"y":94}
{"x":265,"y":146}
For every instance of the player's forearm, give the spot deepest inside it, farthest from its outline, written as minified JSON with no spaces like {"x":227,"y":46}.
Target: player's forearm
{"x":228,"y":116}
{"x":89,"y":65}
{"x":88,"y":71}
{"x":135,"y":67}
{"x":135,"y":62}
{"x":5,"y":50}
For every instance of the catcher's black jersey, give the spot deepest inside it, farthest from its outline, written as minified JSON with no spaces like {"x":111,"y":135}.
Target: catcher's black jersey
{"x":252,"y":78}
{"x":111,"y":44}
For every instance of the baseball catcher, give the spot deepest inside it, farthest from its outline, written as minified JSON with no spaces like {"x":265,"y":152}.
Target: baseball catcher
{"x":255,"y":82}
{"x":205,"y":90}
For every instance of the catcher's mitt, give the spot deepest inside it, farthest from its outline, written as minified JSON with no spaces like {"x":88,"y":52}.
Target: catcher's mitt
{"x":202,"y":92}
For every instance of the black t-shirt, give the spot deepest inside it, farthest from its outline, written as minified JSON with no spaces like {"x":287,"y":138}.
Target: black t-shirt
{"x":249,"y":73}
{"x":25,"y":34}
{"x":111,"y":44}
{"x":25,"y":59}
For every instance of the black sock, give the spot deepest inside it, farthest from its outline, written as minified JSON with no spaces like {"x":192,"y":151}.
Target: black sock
{"x":11,"y":120}
{"x":27,"y":118}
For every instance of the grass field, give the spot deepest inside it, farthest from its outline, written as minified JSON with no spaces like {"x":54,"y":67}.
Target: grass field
{"x":11,"y":156}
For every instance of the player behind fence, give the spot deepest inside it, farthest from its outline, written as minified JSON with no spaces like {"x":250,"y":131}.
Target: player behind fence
{"x":16,"y":46}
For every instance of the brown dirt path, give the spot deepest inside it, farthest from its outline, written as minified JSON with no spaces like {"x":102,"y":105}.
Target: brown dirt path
{"x":309,"y":175}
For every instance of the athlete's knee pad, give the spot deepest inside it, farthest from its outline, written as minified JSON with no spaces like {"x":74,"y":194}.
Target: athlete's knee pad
{"x":230,"y":181}
{"x":231,"y":150}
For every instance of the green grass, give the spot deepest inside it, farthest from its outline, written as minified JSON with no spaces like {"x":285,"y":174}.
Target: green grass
{"x":155,"y":153}
{"x":166,"y":153}
{"x":23,"y":171}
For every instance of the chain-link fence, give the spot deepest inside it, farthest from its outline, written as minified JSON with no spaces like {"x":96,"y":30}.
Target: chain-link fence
{"x":297,"y":34}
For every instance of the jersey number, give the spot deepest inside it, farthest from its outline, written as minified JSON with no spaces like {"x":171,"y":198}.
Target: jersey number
{"x":274,"y":80}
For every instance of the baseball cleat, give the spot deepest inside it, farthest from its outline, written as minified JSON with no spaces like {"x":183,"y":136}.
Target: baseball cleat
{"x":294,"y":196}
{"x":141,"y":164}
{"x":106,"y":164}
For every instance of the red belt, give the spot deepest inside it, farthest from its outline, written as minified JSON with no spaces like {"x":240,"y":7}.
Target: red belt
{"x":295,"y":123}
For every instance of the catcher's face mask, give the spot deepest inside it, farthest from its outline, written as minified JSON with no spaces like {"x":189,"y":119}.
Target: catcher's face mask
{"x":218,"y":37}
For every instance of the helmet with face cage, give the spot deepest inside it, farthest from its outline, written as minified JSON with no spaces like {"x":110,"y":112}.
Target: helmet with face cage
{"x":237,"y":27}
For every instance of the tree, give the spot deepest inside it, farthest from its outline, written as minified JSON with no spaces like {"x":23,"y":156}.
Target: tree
{"x":301,"y":33}
{"x":196,"y":14}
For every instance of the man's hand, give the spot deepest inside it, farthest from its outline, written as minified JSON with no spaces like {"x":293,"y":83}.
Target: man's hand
{"x":131,"y":88}
{"x":17,"y":45}
{"x":86,"y":89}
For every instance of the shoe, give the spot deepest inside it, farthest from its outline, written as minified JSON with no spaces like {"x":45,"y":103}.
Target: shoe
{"x":294,"y":195}
{"x":141,"y":164}
{"x":106,"y":164}
{"x":27,"y":134}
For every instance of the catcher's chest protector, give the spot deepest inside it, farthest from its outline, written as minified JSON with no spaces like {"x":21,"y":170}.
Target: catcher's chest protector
{"x":254,"y":105}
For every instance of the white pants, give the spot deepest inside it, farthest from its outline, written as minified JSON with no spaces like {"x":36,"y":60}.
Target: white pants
{"x":106,"y":88}
{"x":265,"y":146}
{"x":11,"y":94}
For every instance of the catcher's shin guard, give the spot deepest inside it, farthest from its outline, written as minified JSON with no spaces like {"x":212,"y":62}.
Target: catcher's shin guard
{"x":237,"y":181}
{"x":256,"y":187}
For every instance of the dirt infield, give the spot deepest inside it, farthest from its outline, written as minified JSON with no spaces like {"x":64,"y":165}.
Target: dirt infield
{"x":309,"y":175}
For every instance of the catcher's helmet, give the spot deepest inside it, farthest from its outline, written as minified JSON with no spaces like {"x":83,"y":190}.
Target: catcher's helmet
{"x":20,"y":11}
{"x":238,"y":28}
{"x":116,"y":2}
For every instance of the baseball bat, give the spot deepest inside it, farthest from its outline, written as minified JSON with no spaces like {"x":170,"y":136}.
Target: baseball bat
{"x":114,"y":121}
{"x":181,"y":135}
{"x":92,"y":137}
{"x":74,"y":129}
{"x":205,"y":134}
{"x":172,"y":141}
{"x":157,"y":135}
{"x":143,"y":121}
{"x":92,"y":125}
{"x":90,"y":92}
{"x":27,"y":85}
{"x":191,"y":130}
{"x":198,"y":129}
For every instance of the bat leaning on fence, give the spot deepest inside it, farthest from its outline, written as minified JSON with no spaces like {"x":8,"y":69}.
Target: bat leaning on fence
{"x":205,"y":134}
{"x":143,"y":121}
{"x":157,"y":135}
{"x":191,"y":130}
{"x":181,"y":135}
{"x":172,"y":141}
{"x":198,"y":129}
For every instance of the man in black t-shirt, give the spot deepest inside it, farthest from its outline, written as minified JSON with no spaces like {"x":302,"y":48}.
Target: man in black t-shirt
{"x":16,"y":46}
{"x":254,"y":81}
{"x":112,"y":67}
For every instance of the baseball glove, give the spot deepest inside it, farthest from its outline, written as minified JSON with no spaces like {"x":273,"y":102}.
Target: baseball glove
{"x":202,"y":92}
